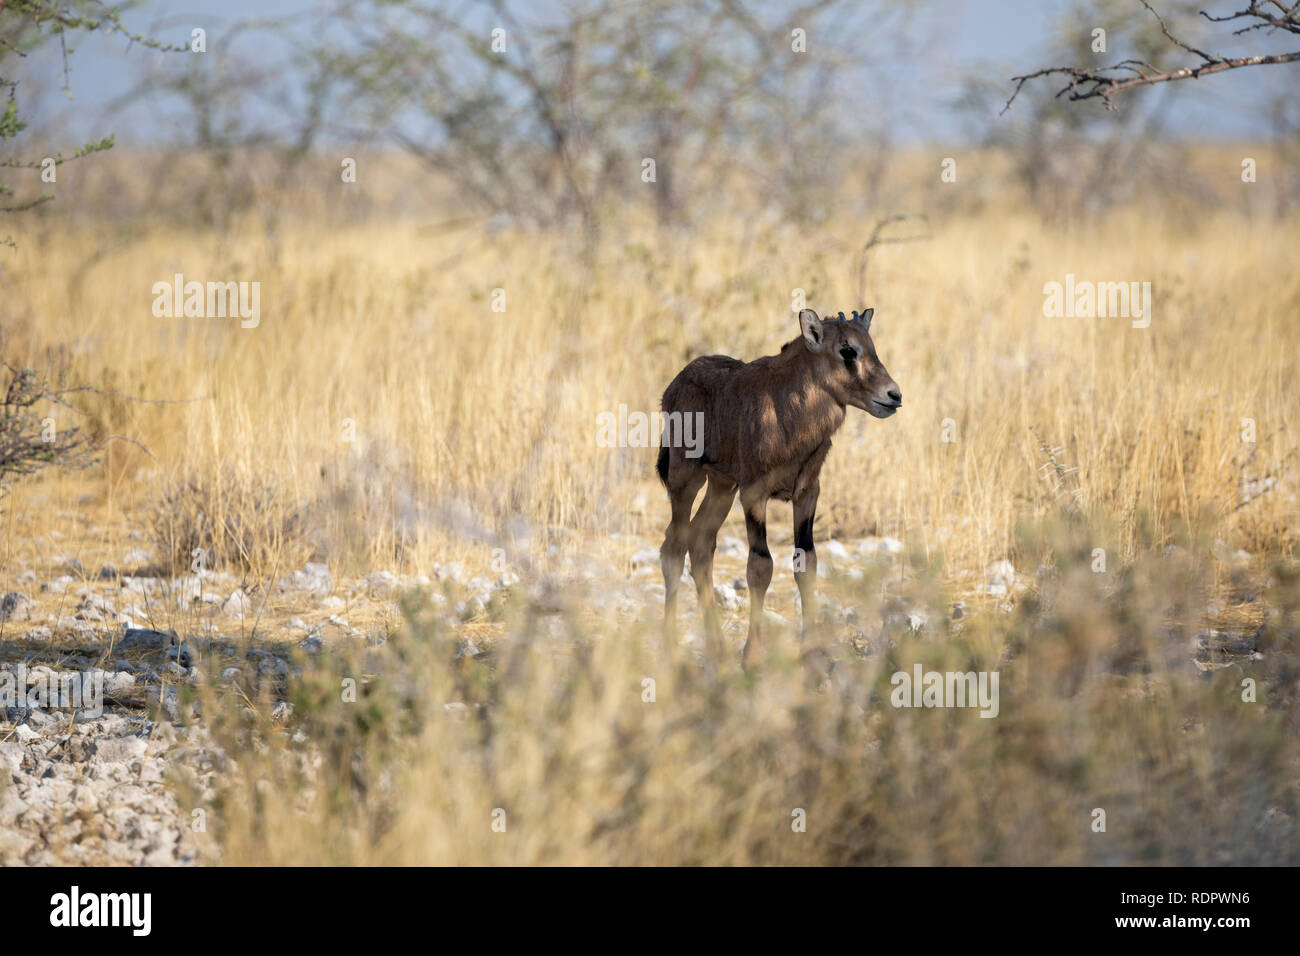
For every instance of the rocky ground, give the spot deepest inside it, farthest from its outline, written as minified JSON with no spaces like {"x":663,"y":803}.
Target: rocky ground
{"x":88,"y":784}
{"x":80,"y":787}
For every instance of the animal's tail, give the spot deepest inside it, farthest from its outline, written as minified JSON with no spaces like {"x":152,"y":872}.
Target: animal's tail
{"x":661,"y":465}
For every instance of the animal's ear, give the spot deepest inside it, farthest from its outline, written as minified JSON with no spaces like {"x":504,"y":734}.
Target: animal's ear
{"x":863,"y":318}
{"x":811,"y":326}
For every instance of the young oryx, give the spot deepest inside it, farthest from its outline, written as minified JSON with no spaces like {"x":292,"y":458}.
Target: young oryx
{"x":767,"y":429}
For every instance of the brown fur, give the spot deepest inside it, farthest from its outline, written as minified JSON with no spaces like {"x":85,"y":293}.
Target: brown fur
{"x":767,"y":430}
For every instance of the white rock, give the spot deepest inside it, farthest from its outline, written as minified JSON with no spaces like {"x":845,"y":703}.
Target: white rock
{"x":314,"y":577}
{"x":119,"y":749}
{"x":451,"y":571}
{"x":381,"y":583}
{"x":11,"y":755}
{"x":95,"y":608}
{"x":732,"y":547}
{"x":187,"y":589}
{"x":1000,"y":572}
{"x":142,"y":585}
{"x":16,"y":607}
{"x":115,"y":682}
{"x":344,"y":626}
{"x":837,"y":551}
{"x":727,"y":598}
{"x":871,"y":547}
{"x":238,"y":604}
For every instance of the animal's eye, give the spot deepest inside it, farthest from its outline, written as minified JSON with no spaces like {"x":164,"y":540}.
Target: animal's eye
{"x":848,"y":355}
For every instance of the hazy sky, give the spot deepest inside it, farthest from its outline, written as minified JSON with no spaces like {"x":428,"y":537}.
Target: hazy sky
{"x":951,"y":38}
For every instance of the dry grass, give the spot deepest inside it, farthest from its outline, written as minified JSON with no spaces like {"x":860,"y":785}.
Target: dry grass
{"x":569,"y":746}
{"x":392,"y":329}
{"x":476,"y":430}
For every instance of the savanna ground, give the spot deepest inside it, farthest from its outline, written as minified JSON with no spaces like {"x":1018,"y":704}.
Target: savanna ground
{"x":493,"y":588}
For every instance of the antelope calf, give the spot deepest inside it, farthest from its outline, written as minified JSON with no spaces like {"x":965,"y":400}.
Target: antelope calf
{"x":767,"y":429}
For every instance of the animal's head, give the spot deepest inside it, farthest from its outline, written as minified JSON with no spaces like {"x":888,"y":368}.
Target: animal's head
{"x":845,"y":361}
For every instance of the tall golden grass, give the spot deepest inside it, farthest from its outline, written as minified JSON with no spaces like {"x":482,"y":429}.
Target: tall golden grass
{"x":392,"y":328}
{"x":476,"y":429}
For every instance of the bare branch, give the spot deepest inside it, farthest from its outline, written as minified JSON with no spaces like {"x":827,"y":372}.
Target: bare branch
{"x":1177,"y":42}
{"x":878,"y":238}
{"x":1289,"y":21}
{"x":1104,"y":83}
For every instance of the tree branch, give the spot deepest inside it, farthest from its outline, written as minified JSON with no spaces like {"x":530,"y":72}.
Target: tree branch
{"x":1103,"y":83}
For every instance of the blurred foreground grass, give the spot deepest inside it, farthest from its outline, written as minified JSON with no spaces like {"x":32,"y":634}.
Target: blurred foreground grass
{"x":590,"y":742}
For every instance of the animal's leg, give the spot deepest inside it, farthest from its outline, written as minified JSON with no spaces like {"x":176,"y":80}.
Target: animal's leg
{"x":805,"y":554}
{"x":703,"y":542}
{"x":759,"y":572}
{"x":682,"y":488}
